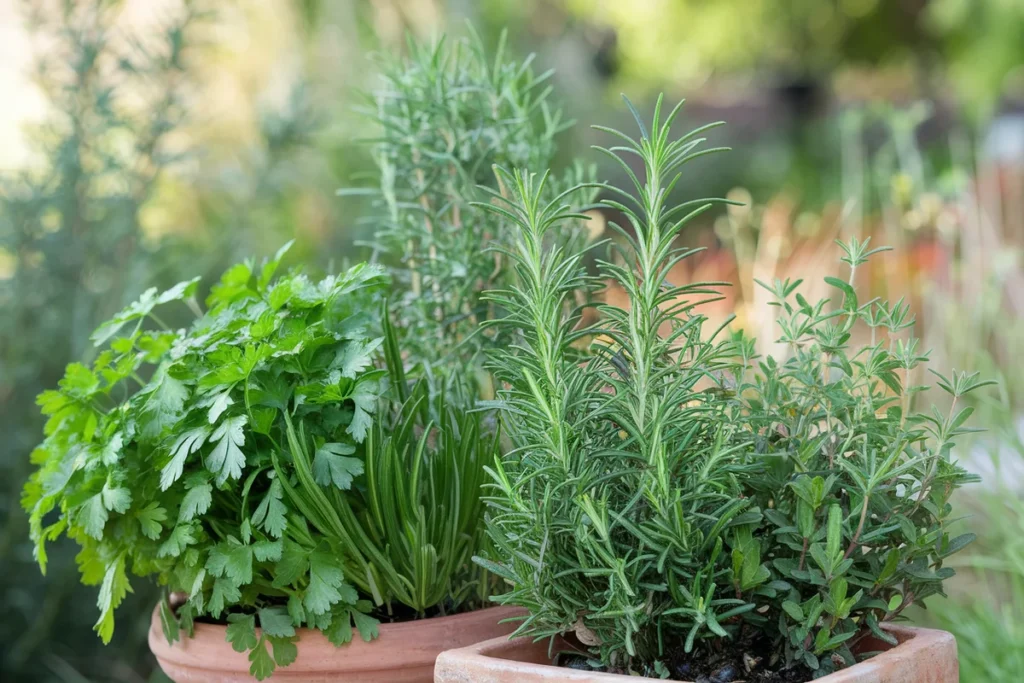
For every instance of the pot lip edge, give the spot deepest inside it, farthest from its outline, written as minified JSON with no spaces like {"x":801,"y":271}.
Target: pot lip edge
{"x":918,"y":640}
{"x":175,"y":655}
{"x":414,"y":624}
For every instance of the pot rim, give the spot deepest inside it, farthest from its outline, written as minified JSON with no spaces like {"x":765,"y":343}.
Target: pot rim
{"x":208,"y":649}
{"x":390,"y":628}
{"x":937,"y":648}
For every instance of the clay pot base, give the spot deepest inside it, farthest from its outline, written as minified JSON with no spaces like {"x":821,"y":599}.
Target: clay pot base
{"x":404,"y":652}
{"x":922,"y":656}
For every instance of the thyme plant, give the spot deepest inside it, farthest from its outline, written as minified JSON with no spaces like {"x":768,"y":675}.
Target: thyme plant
{"x":856,"y":484}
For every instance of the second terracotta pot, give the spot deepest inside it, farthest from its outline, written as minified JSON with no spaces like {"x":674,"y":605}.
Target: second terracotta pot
{"x":404,"y":653}
{"x":922,"y":656}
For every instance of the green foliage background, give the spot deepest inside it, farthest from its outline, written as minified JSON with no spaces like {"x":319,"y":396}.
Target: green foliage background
{"x":214,"y":131}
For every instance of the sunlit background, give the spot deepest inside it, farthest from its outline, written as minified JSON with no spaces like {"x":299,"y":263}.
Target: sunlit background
{"x":146,"y":141}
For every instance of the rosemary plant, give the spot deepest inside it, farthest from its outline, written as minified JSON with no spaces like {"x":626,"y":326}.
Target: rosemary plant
{"x":446,"y":114}
{"x":608,"y":516}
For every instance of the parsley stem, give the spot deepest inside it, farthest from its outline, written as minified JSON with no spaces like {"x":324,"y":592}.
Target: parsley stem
{"x":159,"y":322}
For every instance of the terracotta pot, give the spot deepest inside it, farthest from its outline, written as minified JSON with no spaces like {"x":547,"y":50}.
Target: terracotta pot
{"x":404,"y":653}
{"x":922,"y":656}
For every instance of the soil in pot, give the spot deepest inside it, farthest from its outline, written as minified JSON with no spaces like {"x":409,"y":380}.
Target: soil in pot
{"x":399,"y":613}
{"x":747,"y":660}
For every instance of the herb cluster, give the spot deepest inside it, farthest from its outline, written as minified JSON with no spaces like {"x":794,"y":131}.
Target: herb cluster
{"x":264,"y":466}
{"x":855,"y":485}
{"x":296,"y":458}
{"x":670,"y":494}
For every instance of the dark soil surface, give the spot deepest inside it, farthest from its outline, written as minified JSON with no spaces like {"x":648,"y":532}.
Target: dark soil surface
{"x":399,"y":613}
{"x":747,"y":661}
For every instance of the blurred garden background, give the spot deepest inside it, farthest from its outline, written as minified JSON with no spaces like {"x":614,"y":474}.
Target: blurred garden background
{"x":143,"y":142}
